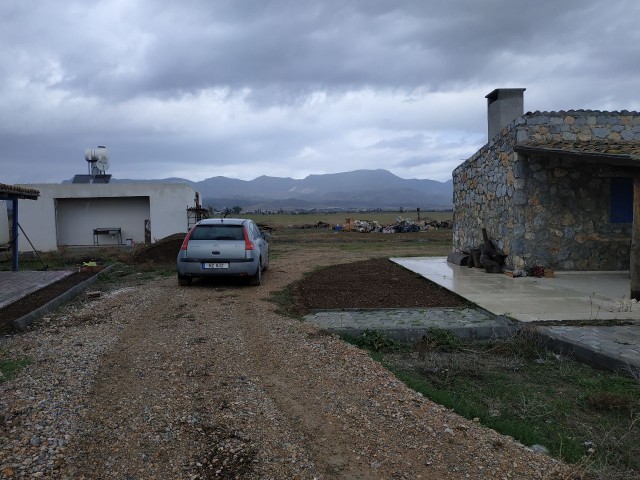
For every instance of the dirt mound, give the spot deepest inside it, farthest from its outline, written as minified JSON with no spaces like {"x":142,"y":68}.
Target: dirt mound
{"x":164,"y":250}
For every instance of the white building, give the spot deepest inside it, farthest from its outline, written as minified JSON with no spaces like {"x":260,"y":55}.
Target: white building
{"x":88,"y":214}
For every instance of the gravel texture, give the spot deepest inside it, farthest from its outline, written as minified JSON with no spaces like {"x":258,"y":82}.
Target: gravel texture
{"x":162,"y":382}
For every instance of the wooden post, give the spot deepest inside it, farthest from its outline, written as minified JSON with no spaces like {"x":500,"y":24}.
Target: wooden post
{"x":634,"y":267}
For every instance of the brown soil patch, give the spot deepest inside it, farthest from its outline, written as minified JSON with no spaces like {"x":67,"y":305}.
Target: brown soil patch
{"x":39,"y":298}
{"x":369,"y":284}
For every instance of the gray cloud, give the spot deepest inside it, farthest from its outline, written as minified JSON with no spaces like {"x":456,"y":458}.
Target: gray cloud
{"x":249,"y":87}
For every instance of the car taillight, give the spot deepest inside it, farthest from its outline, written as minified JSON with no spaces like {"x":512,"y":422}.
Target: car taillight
{"x":186,"y":239}
{"x":248,"y":244}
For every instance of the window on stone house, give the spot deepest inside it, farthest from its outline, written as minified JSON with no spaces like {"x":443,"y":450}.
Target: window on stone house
{"x":621,"y":194}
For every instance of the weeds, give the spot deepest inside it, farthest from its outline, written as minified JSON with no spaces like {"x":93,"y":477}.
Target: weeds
{"x":376,"y":341}
{"x":519,"y":388}
{"x":285,"y":302}
{"x":438,"y":339}
{"x":9,"y":368}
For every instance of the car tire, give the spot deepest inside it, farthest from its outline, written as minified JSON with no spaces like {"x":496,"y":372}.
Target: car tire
{"x":256,"y":280}
{"x":184,"y":281}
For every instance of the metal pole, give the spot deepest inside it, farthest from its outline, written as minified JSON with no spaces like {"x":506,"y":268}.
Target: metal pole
{"x":33,"y":248}
{"x":14,"y":222}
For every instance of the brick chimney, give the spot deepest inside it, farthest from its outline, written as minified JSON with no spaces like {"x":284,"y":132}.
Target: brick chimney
{"x":503,"y":106}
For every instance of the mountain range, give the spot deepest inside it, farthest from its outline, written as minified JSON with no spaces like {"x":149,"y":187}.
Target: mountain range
{"x":356,"y":189}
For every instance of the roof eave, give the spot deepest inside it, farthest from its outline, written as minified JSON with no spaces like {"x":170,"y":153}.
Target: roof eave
{"x":608,"y":158}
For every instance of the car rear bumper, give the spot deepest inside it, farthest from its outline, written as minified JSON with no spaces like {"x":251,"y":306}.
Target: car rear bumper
{"x":193,"y":267}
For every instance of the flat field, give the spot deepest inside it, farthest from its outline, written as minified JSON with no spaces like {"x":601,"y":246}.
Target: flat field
{"x":384,"y":218}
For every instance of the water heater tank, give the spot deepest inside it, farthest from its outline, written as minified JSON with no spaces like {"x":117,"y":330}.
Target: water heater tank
{"x":98,"y":154}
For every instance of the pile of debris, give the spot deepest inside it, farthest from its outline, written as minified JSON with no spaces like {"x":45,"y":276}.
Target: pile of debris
{"x":491,"y":258}
{"x":365,"y":226}
{"x":486,"y":256}
{"x":435,"y":224}
{"x":305,"y":226}
{"x":401,"y":225}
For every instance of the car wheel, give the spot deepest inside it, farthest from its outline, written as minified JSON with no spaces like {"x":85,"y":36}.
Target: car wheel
{"x":256,"y":280}
{"x":184,"y":281}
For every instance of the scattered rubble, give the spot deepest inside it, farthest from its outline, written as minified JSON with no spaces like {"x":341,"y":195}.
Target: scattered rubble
{"x":304,"y":226}
{"x":401,"y":225}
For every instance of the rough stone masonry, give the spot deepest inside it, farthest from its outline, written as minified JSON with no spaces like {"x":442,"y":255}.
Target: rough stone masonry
{"x":552,"y":211}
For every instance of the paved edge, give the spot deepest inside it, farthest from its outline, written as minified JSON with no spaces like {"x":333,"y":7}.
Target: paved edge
{"x":503,"y":327}
{"x":585,"y":354}
{"x":26,"y":320}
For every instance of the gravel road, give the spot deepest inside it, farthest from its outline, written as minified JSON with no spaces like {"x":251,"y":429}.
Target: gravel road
{"x":161,"y":382}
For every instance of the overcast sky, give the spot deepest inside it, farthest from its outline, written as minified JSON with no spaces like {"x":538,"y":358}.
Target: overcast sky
{"x":288,"y":88}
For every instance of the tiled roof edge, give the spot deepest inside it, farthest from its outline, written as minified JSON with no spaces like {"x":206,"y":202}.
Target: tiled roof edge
{"x":19,"y":190}
{"x":584,"y":112}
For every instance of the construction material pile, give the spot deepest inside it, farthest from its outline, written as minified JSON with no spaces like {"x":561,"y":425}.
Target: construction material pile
{"x":401,"y":225}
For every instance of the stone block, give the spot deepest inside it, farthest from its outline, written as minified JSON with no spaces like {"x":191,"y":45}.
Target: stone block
{"x":519,"y":198}
{"x":599,"y":132}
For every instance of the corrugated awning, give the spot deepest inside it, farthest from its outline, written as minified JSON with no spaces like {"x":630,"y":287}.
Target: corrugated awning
{"x":11,"y":192}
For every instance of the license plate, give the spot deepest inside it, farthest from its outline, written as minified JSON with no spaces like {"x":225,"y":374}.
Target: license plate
{"x":215,"y":265}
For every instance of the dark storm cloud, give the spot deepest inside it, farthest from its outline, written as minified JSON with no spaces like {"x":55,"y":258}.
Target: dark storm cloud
{"x":159,"y":48}
{"x":292,"y":87}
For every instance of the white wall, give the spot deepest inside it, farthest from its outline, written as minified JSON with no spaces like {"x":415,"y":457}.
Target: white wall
{"x":4,"y":224}
{"x":77,"y":217}
{"x":168,"y":203}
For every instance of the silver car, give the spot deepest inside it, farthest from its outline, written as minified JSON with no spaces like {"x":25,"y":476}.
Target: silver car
{"x":223,"y":247}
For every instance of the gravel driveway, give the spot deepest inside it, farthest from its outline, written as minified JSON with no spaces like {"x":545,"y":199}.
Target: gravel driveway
{"x":162,"y":382}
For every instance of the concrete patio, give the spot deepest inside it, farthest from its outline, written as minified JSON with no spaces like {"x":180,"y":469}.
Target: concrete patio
{"x":568,"y":296}
{"x":590,"y":297}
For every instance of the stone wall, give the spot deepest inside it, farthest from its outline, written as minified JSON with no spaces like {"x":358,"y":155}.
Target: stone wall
{"x":550,"y":211}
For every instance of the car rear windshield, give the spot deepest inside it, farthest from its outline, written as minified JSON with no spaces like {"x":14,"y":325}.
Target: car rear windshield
{"x":218,"y":232}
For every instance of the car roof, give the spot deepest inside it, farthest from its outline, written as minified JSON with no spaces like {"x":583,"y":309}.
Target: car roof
{"x":222,"y":221}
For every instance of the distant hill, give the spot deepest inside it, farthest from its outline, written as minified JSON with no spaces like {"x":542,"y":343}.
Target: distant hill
{"x":356,"y":189}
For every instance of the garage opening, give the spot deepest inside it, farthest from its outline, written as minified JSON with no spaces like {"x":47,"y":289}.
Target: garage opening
{"x":101,"y":221}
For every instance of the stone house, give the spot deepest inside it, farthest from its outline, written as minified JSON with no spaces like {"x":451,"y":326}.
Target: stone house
{"x":553,"y":189}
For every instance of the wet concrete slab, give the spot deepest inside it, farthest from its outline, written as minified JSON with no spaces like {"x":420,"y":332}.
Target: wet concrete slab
{"x":16,"y":285}
{"x":592,"y":298}
{"x":568,"y":296}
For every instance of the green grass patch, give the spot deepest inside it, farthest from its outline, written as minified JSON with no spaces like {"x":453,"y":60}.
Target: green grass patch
{"x":284,"y":301}
{"x":517,"y":387}
{"x":375,"y":341}
{"x":9,"y":368}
